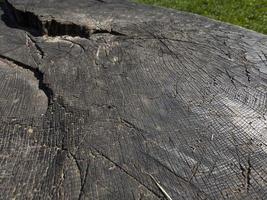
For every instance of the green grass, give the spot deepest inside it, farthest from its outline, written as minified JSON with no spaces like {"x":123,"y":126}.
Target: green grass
{"x":251,"y":14}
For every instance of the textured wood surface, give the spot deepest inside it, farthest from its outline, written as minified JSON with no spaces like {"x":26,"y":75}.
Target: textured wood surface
{"x":114,"y":100}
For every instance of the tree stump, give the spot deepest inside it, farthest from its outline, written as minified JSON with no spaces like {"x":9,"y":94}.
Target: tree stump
{"x":109,"y":99}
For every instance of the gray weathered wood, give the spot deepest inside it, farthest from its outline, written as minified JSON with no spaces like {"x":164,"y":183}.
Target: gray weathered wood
{"x":114,"y":100}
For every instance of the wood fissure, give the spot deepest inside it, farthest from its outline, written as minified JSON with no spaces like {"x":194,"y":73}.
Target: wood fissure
{"x":39,"y":75}
{"x":53,"y":27}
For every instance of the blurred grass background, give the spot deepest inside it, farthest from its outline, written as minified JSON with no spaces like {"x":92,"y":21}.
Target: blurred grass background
{"x":251,"y":14}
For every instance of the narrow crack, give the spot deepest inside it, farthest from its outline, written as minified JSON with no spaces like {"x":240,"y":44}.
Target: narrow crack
{"x":232,"y":79}
{"x":182,"y":179}
{"x":38,"y":74}
{"x":32,"y":42}
{"x":248,"y":74}
{"x":83,"y":182}
{"x":126,"y":172}
{"x":133,"y":126}
{"x":246,"y":173}
{"x":73,"y":157}
{"x":74,"y":43}
{"x":32,"y":23}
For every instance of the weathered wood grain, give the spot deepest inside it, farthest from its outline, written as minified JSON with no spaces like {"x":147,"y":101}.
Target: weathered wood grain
{"x":114,"y":100}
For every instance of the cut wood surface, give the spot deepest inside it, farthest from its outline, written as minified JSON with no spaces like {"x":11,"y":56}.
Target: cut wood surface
{"x":109,"y":99}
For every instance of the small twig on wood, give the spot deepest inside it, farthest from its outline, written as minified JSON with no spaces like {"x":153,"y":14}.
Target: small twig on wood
{"x":163,"y":191}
